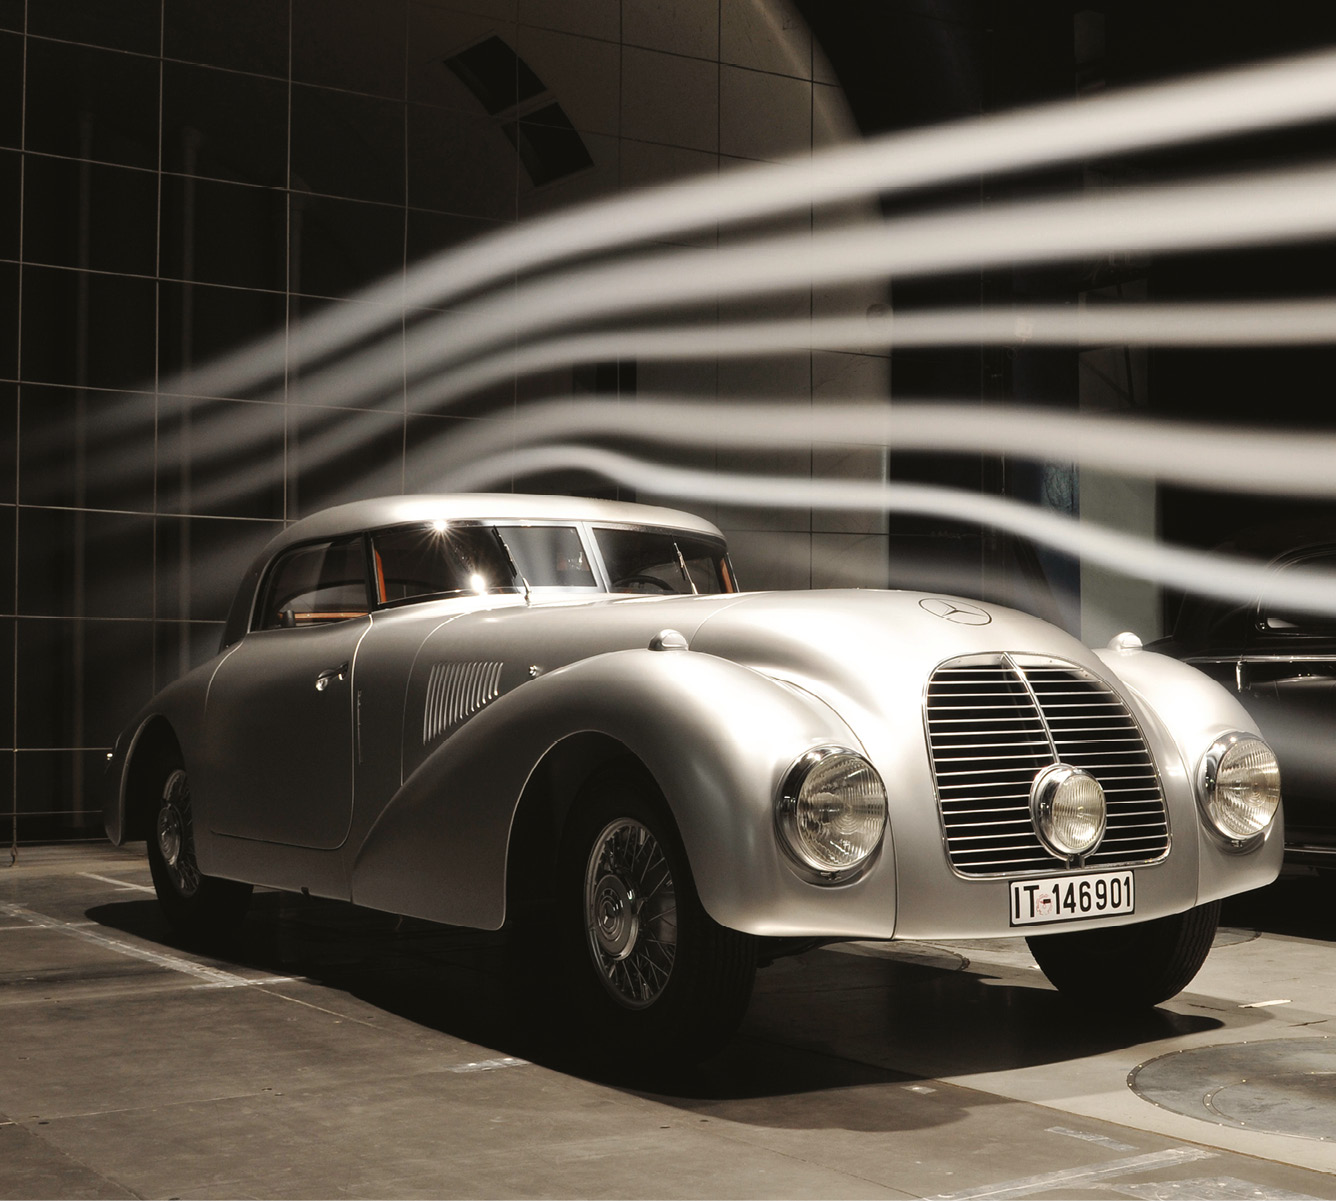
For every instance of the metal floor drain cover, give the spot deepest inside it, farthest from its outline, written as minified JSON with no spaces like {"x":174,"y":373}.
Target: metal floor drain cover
{"x":1287,"y":1086}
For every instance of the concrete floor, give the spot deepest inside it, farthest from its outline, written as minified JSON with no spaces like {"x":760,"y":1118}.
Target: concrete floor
{"x":340,"y":1053}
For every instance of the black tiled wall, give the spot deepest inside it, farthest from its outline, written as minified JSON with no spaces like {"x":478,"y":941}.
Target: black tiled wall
{"x":180,"y":177}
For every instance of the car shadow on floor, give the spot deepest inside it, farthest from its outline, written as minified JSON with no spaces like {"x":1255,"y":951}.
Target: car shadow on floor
{"x":866,"y":1028}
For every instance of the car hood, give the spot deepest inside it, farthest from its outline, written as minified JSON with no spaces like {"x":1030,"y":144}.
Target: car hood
{"x":852,"y":640}
{"x":865,"y":655}
{"x":859,"y":642}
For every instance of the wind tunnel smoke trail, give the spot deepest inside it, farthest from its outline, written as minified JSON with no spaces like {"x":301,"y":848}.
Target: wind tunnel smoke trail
{"x":969,"y":144}
{"x":1227,"y":103}
{"x":920,"y":574}
{"x":1140,"y":558}
{"x":1278,"y":463}
{"x":1174,"y":452}
{"x":1223,"y":212}
{"x":1216,"y":324}
{"x":1254,"y":97}
{"x":1266,"y":323}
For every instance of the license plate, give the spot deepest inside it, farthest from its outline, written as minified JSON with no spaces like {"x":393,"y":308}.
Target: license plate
{"x":1070,"y":898}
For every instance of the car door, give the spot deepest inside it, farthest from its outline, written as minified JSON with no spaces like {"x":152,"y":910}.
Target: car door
{"x":281,"y":710}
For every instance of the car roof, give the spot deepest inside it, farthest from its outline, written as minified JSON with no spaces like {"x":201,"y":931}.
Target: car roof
{"x":379,"y":512}
{"x":481,"y":506}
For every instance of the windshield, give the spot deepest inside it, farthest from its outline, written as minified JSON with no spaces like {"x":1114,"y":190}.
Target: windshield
{"x":548,"y":556}
{"x":662,"y":561}
{"x":440,"y":558}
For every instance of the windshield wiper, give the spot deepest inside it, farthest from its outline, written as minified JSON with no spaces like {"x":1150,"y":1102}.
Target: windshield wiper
{"x":686,"y":575}
{"x":514,"y":567}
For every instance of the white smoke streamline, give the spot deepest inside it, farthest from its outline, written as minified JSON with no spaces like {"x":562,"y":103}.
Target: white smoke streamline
{"x":598,"y":284}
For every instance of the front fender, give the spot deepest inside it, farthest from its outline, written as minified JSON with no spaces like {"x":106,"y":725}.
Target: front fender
{"x":717,"y":738}
{"x":1191,"y":711}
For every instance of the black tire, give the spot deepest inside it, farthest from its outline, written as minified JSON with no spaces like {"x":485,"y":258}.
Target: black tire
{"x":196,"y":907}
{"x":652,"y":978}
{"x":1129,"y":966}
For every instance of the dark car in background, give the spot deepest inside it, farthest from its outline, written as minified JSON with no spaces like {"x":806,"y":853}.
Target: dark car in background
{"x":1281,"y":664}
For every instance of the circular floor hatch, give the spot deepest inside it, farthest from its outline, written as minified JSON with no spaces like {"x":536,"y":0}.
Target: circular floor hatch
{"x":1287,"y":1086}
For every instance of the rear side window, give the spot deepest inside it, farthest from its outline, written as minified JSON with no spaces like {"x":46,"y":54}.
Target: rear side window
{"x":314,"y":585}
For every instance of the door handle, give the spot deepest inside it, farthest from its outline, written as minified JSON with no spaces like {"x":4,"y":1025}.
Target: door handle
{"x":329,"y":675}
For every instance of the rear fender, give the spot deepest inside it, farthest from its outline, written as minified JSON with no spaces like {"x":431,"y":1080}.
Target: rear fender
{"x":118,"y":819}
{"x":165,"y":730}
{"x":717,"y":739}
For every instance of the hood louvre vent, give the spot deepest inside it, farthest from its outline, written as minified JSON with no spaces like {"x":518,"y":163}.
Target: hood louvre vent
{"x":456,"y":691}
{"x":995,"y":721}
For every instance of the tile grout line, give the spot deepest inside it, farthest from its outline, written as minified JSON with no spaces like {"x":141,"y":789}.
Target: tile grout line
{"x":1081,"y":1177}
{"x":13,"y":597}
{"x":122,"y":884}
{"x":175,"y":963}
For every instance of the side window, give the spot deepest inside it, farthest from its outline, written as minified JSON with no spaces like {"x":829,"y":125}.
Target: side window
{"x":1278,"y":615}
{"x":315,"y":585}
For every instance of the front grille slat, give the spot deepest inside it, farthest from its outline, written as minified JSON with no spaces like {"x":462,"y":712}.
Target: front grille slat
{"x":983,"y":774}
{"x":992,"y":726}
{"x":1009,"y":750}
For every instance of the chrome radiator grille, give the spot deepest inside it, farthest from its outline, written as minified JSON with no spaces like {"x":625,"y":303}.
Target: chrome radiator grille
{"x":994,"y":721}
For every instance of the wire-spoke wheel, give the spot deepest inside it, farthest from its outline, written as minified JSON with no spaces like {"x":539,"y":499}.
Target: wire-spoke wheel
{"x":176,"y":835}
{"x":652,"y":977}
{"x":631,"y":912}
{"x":195,"y":905}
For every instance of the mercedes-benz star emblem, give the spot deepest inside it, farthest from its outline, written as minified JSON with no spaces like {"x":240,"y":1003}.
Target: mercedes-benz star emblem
{"x":957,"y":611}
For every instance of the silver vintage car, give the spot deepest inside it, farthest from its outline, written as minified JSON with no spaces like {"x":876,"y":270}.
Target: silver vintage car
{"x":495,"y":710}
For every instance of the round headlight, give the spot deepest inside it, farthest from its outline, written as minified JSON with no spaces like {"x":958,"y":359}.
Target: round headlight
{"x":1067,"y":805}
{"x":831,"y":812}
{"x":1240,"y":786}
